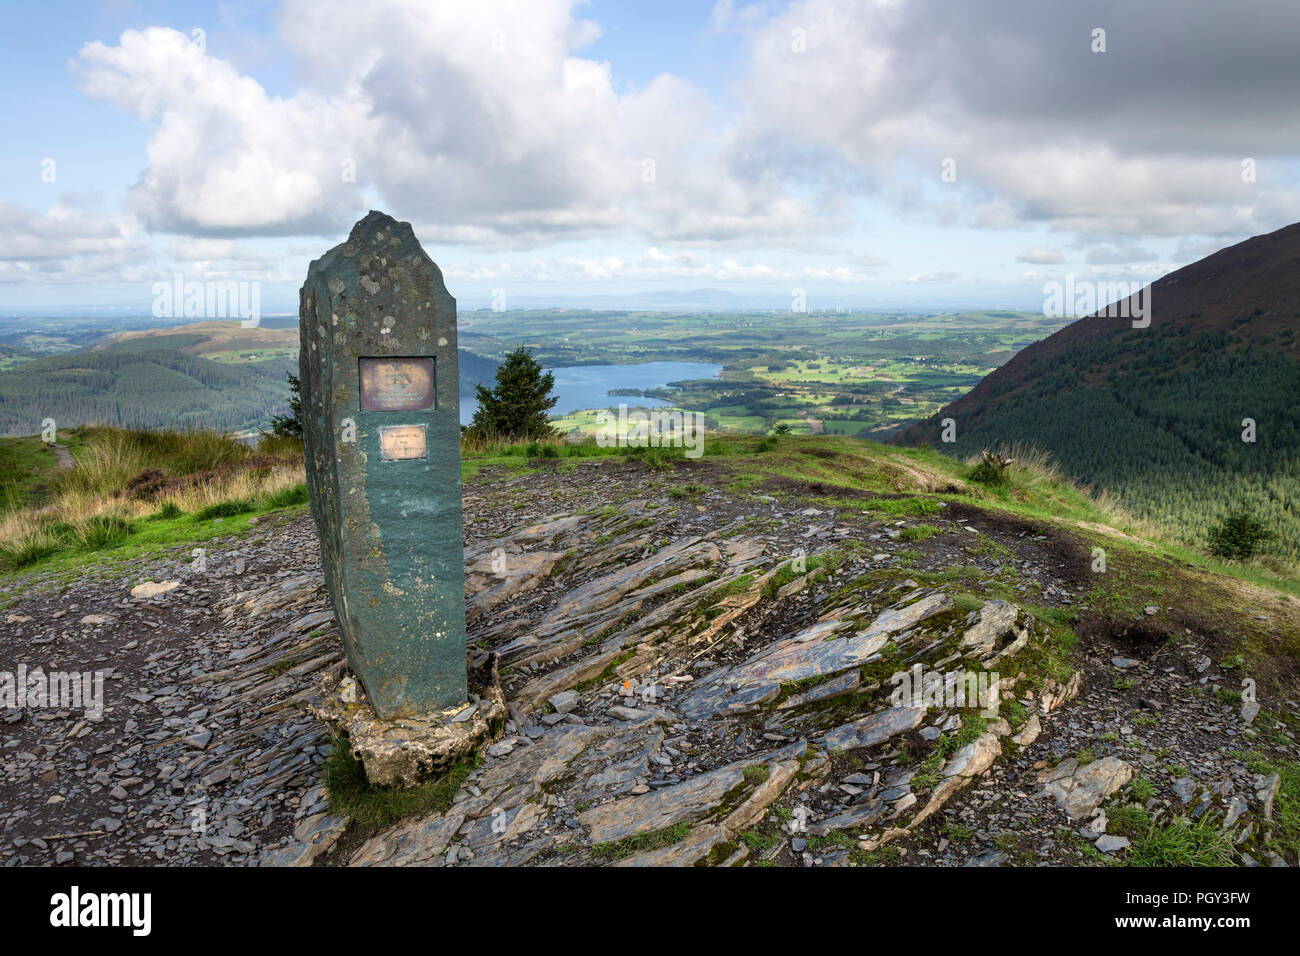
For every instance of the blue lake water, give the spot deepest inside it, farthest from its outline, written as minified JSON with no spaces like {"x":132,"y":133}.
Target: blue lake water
{"x":587,"y":386}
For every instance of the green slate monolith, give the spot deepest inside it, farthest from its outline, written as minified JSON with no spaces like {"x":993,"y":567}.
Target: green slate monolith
{"x":381,"y":430}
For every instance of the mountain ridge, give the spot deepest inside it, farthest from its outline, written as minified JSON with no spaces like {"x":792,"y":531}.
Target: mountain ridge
{"x":1141,"y":411}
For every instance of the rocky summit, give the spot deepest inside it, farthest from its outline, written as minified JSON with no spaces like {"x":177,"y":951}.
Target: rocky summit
{"x":704,"y":663}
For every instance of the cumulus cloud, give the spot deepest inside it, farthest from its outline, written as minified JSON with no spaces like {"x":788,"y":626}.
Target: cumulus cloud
{"x":66,"y":245}
{"x":56,"y":234}
{"x":225,"y":158}
{"x":479,"y":122}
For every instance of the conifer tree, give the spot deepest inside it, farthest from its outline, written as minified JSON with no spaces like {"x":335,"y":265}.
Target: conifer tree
{"x":290,"y":426}
{"x":516,"y":407}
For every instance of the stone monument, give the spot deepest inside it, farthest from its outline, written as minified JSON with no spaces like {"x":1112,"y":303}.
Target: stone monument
{"x":381,"y":430}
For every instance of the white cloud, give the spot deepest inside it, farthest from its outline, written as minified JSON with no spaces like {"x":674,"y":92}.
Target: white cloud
{"x":933,"y":277}
{"x":1123,"y":252}
{"x":61,"y":232}
{"x":1040,"y":256}
{"x":479,"y":122}
{"x":69,"y":246}
{"x":225,"y":158}
{"x":66,"y":244}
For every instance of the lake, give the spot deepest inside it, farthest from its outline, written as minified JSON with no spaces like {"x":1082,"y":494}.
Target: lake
{"x":587,"y":386}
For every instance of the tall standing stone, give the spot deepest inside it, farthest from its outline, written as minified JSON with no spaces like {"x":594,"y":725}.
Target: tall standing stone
{"x":381,"y":428}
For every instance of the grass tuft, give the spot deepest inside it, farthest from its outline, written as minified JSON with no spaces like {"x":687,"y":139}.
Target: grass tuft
{"x":1180,"y":842}
{"x":351,"y":794}
{"x":136,"y":489}
{"x":640,"y":842}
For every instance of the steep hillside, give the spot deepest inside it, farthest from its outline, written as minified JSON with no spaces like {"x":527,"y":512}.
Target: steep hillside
{"x":1156,"y":414}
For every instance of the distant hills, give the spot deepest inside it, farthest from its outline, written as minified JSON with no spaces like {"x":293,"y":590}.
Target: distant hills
{"x":214,"y":375}
{"x":1156,"y":414}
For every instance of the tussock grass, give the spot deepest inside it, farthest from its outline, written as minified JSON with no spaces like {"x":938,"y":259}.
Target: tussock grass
{"x":110,"y":457}
{"x":919,"y":532}
{"x":168,"y":511}
{"x":227,"y":509}
{"x":90,"y":509}
{"x":286,"y":497}
{"x":1033,"y":479}
{"x":279,"y":446}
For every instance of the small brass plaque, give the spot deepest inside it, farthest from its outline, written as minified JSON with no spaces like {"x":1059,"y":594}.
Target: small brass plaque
{"x":397,"y":384}
{"x":401,"y":442}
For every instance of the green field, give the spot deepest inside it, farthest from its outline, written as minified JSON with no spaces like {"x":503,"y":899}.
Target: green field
{"x":253,"y":355}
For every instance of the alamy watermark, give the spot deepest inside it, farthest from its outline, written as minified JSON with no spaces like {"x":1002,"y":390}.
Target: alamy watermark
{"x":75,"y":909}
{"x":1078,"y":297}
{"x":653,"y":428}
{"x":208,"y":300}
{"x":919,"y":687}
{"x":58,"y":690}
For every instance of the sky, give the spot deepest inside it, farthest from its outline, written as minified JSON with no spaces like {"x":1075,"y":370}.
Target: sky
{"x":891,"y":154}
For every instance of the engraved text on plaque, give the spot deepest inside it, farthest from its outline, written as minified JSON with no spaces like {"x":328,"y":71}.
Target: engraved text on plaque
{"x":397,"y":384}
{"x":402,"y":442}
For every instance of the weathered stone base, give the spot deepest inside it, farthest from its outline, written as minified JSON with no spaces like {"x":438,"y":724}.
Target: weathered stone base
{"x":406,"y":752}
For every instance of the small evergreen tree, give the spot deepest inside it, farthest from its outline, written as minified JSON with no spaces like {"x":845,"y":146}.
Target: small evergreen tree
{"x":290,"y":426}
{"x":1239,"y":535}
{"x":517,"y":405}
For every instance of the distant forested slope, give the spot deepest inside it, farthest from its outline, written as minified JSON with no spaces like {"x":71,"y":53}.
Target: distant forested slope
{"x":146,"y":388}
{"x":475,"y":370}
{"x":1156,"y":414}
